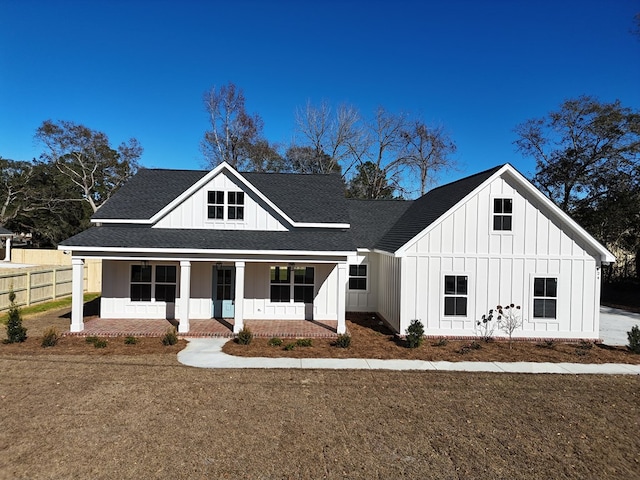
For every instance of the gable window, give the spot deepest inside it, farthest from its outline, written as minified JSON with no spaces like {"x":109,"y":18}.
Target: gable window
{"x":455,"y":295}
{"x":545,"y":293}
{"x":303,"y":284}
{"x":280,"y":284}
{"x":140,"y":290}
{"x":502,"y":214}
{"x":166,"y":283}
{"x":236,"y":205}
{"x":215,"y":205}
{"x":357,"y":277}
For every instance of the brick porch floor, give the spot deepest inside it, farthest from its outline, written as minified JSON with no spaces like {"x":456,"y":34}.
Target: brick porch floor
{"x":106,"y":327}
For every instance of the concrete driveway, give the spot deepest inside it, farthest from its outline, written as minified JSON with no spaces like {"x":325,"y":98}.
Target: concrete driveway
{"x":615,"y":323}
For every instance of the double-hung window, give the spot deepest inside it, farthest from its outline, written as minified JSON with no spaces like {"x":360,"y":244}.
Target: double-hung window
{"x":303,"y":284}
{"x":140,"y":290}
{"x":215,"y":205}
{"x":280,"y":284}
{"x":166,"y":283}
{"x":357,"y":277}
{"x":545,"y":294}
{"x":502,"y":214}
{"x":455,"y":295}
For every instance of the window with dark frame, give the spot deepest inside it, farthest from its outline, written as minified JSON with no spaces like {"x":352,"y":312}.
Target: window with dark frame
{"x":545,"y":294}
{"x":303,"y":284}
{"x":280,"y":279}
{"x":455,"y":295}
{"x":236,"y":205}
{"x":215,"y":205}
{"x":165,"y":283}
{"x":502,"y":214}
{"x":140,"y":288}
{"x":357,"y":277}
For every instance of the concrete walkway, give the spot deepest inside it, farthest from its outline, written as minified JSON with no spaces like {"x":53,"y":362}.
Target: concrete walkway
{"x":207,"y":353}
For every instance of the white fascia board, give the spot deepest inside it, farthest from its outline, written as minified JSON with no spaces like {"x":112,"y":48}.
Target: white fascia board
{"x":185,"y":251}
{"x":384,"y":252}
{"x":200,"y":183}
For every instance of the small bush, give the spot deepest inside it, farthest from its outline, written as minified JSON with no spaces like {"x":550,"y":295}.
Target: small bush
{"x":91,"y":339}
{"x":550,"y":344}
{"x":581,"y":352}
{"x":468,"y":347}
{"x":130,"y":340}
{"x":475,"y":345}
{"x":170,"y":337}
{"x":634,"y":339}
{"x":415,"y":332}
{"x":585,"y":345}
{"x":442,"y":342}
{"x":16,"y":333}
{"x":50,"y":337}
{"x":245,"y":336}
{"x":304,"y":342}
{"x":343,"y":340}
{"x":100,"y":343}
{"x":274,"y":342}
{"x":289,"y":346}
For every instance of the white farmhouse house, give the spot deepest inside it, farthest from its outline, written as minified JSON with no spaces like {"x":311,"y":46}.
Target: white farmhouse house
{"x":222,"y":244}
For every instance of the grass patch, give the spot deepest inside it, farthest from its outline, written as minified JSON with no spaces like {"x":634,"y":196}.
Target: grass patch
{"x":46,"y":306}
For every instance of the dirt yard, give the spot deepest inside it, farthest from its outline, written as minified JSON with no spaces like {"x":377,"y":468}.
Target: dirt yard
{"x":146,"y":416}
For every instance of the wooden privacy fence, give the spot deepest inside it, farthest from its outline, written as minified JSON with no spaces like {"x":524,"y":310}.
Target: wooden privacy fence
{"x":35,"y":286}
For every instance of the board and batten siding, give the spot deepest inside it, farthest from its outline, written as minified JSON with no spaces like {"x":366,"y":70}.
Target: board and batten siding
{"x":364,"y":300}
{"x":501,"y":267}
{"x":389,"y":290}
{"x":192,"y":212}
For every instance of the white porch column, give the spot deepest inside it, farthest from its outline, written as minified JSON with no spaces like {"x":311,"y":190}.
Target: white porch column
{"x":7,"y":252}
{"x":185,"y":296}
{"x":342,"y":297}
{"x":238,"y":319}
{"x":77,"y":292}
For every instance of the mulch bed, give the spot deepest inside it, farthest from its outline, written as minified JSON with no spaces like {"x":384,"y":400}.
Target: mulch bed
{"x":370,"y":339}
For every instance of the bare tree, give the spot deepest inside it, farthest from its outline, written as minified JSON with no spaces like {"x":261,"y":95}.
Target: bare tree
{"x":329,"y":137}
{"x":233,"y":131}
{"x":426,"y":151}
{"x":87,"y":159}
{"x":377,"y":154}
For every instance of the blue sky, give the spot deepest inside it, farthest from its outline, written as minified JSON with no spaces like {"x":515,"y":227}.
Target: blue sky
{"x":134,"y":68}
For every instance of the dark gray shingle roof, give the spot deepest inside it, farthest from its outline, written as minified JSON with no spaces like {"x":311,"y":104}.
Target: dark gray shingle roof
{"x":304,"y":198}
{"x":301,"y":239}
{"x":4,"y":231}
{"x":147,"y":192}
{"x":428,"y":208}
{"x":371,"y":219}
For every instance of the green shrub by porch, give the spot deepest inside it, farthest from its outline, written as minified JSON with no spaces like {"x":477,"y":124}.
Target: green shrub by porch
{"x":16,"y":333}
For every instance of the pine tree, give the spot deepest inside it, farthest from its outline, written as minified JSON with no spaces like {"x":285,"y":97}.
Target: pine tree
{"x":15,"y":331}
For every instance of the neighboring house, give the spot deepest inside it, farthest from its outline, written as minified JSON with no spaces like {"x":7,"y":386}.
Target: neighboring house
{"x":223,"y":244}
{"x":5,"y":239}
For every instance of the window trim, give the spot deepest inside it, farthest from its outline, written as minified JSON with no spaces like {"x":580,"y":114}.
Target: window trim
{"x":493,"y":198}
{"x":358,"y":276}
{"x":544,"y":276}
{"x":444,"y":295}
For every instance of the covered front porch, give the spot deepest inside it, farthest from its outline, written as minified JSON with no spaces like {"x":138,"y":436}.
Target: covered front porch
{"x":287,"y":296}
{"x":117,"y":327}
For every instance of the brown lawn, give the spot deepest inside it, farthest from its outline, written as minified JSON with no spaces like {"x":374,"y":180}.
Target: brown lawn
{"x":146,"y":416}
{"x":74,"y":411}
